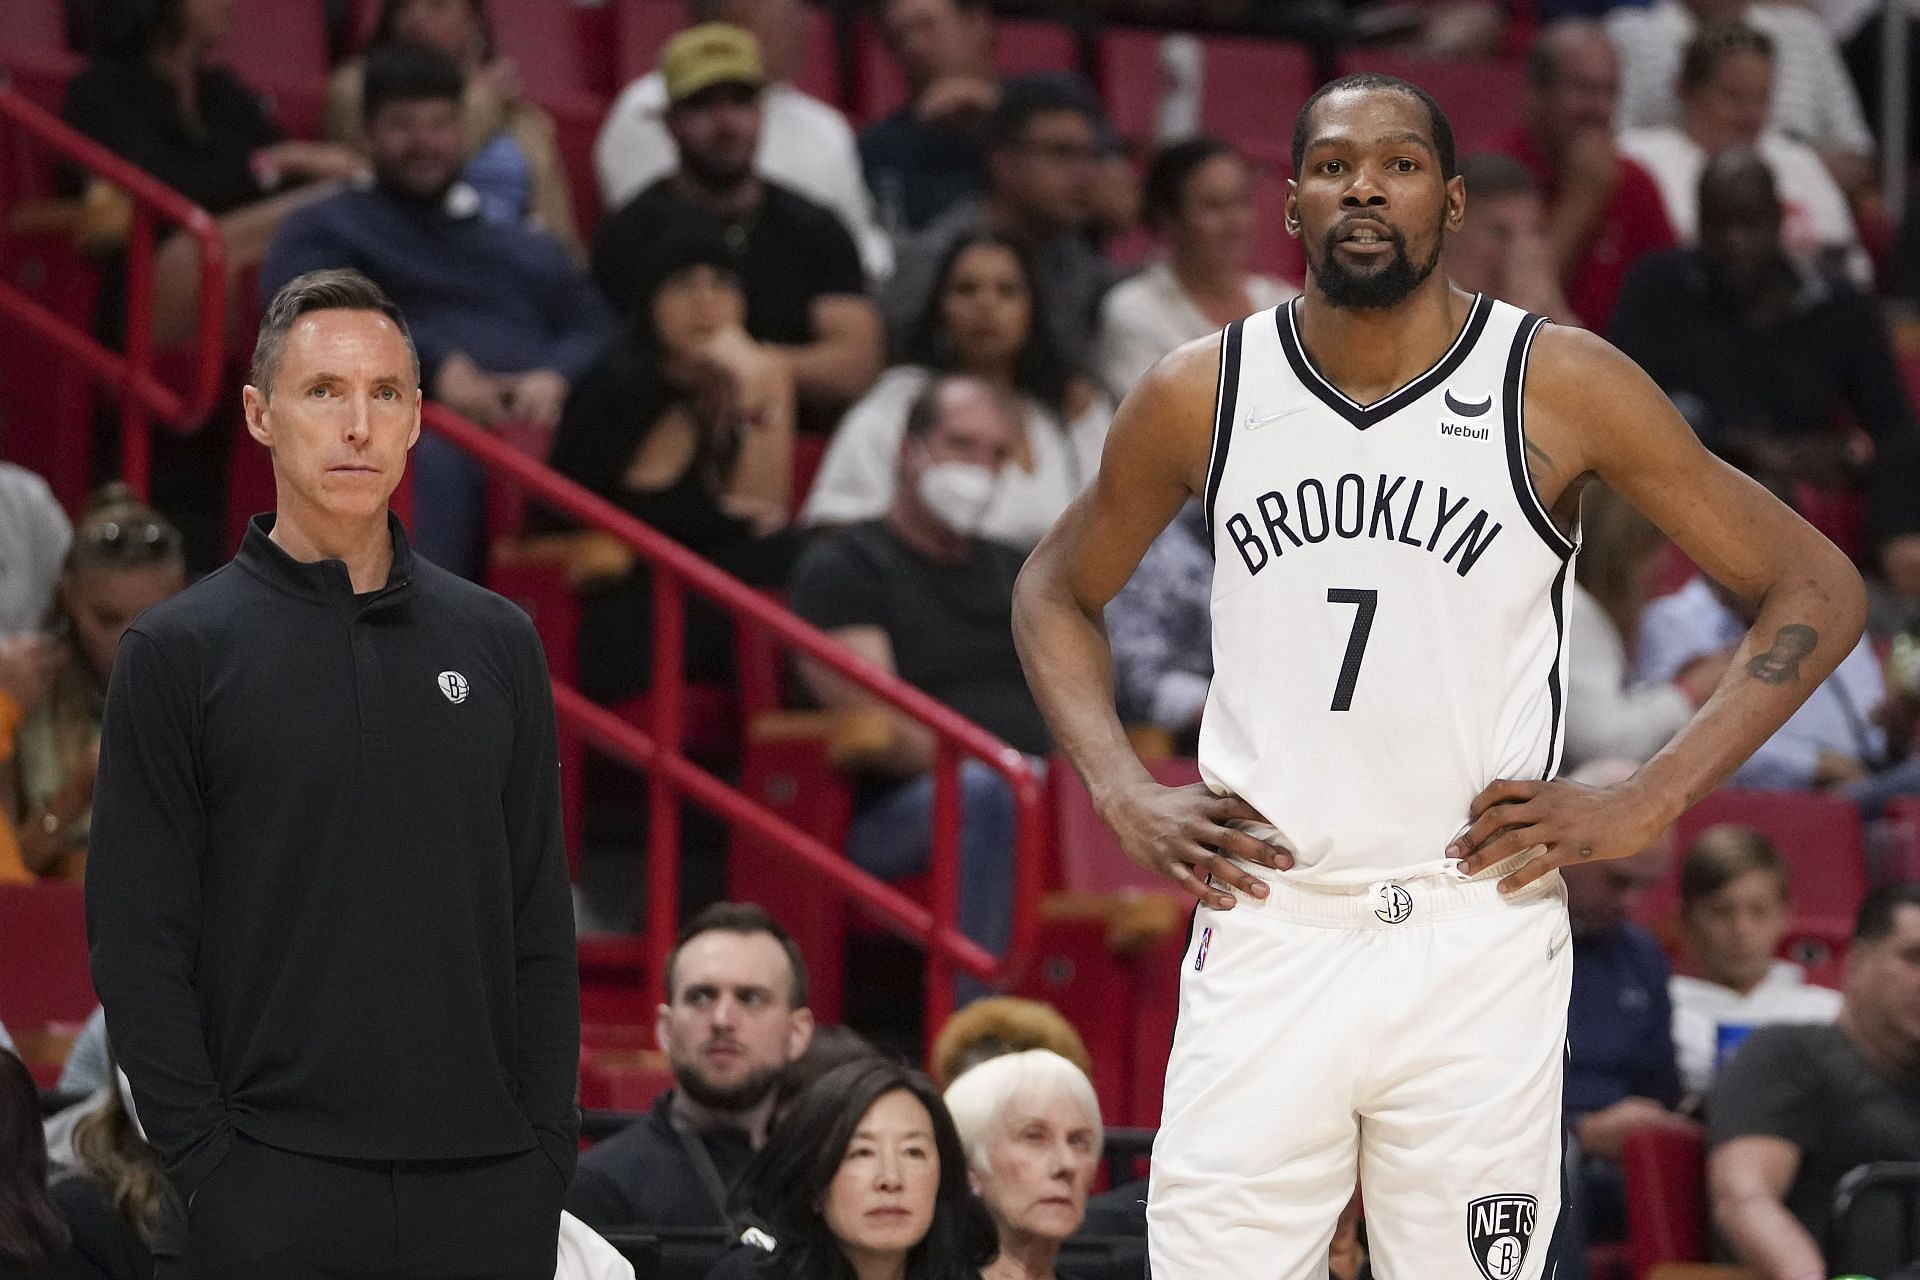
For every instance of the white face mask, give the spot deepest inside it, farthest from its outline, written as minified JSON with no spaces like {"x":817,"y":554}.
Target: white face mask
{"x":958,"y":494}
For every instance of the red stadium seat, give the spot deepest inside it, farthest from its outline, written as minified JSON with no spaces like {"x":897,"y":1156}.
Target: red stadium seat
{"x":1250,"y":89}
{"x":1483,"y":98}
{"x":1019,"y":46}
{"x":34,"y":56}
{"x":43,"y":956}
{"x":276,"y":43}
{"x":1666,"y":1198}
{"x":1090,"y":856}
{"x":1819,"y":835}
{"x":560,"y":48}
{"x":1896,"y":845}
{"x":640,"y":29}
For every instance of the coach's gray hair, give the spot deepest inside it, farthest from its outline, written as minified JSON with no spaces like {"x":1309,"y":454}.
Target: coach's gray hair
{"x":337,"y":289}
{"x":980,"y":1098}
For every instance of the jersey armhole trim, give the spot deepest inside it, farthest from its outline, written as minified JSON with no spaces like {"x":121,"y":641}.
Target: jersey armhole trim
{"x":1224,"y":398}
{"x":1513,"y":399}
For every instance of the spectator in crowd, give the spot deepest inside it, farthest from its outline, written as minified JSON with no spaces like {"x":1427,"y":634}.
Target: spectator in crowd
{"x":1501,"y":248}
{"x":125,"y":558}
{"x":1800,"y":1106}
{"x":503,"y":318}
{"x":1030,"y":1127}
{"x":803,"y":145}
{"x":35,"y":533}
{"x":805,"y":291}
{"x":118,"y":1184}
{"x":736,"y":1017}
{"x":865,"y":1176}
{"x":1198,"y":196}
{"x":1810,"y":99}
{"x":151,"y":96}
{"x":686,"y":424}
{"x":921,"y":596}
{"x":513,"y":159}
{"x":1831,"y":741}
{"x":1766,"y":357}
{"x":1736,"y":904}
{"x":1621,"y":1072}
{"x":1622,"y":554}
{"x":1160,"y":627}
{"x":1723,"y":105}
{"x":832,"y":1046}
{"x":930,"y":152}
{"x":995,"y":1025}
{"x":984,"y":320}
{"x":1603,"y":211}
{"x":1043,"y":159}
{"x":29,"y":665}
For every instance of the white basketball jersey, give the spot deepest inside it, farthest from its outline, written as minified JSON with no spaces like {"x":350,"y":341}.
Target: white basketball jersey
{"x":1389,"y":598}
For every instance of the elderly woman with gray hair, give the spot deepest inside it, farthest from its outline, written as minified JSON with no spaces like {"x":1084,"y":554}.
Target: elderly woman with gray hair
{"x":1030,"y":1126}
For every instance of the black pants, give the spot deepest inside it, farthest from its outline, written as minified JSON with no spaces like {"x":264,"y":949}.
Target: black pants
{"x":277,"y":1215}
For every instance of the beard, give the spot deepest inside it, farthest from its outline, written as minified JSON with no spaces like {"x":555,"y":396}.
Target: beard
{"x":1383,"y":286}
{"x":738,"y":1096}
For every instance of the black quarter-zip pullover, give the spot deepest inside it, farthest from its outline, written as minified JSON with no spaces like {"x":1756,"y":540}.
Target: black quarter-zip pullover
{"x":327,"y":890}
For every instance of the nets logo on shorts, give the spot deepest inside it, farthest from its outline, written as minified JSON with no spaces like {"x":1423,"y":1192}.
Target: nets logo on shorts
{"x":1499,"y":1229}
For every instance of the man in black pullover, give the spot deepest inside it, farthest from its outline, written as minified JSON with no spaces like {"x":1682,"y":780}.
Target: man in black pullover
{"x":327,"y":891}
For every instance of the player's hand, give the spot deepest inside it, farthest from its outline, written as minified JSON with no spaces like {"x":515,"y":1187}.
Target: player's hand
{"x":1182,"y":834}
{"x":1576,"y":823}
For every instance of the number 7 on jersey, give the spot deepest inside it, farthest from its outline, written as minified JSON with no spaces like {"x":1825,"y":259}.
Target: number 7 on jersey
{"x":1365,"y":602}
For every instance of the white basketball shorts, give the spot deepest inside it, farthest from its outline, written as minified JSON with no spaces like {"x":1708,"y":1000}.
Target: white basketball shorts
{"x":1411,"y":1032}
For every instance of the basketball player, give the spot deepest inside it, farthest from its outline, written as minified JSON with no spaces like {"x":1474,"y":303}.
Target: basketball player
{"x":1391,"y":470}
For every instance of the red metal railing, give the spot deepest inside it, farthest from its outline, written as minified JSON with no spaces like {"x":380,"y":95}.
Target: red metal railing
{"x":657,"y":753}
{"x":670,"y":773}
{"x":130,"y":373}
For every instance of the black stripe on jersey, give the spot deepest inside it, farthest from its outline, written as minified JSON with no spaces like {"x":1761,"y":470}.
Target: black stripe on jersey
{"x":1513,"y":408}
{"x":1365,"y":415}
{"x":1223,"y":408}
{"x":1556,"y":728}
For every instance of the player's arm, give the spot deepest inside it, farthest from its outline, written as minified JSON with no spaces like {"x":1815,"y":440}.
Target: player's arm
{"x":1810,"y":603}
{"x":1155,"y":457}
{"x":1747,"y":1181}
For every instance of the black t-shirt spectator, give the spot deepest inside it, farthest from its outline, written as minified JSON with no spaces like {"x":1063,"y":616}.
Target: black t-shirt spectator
{"x":792,"y":251}
{"x":950,"y":625}
{"x":1828,"y":360}
{"x":1810,"y":1086}
{"x":136,"y":115}
{"x":657,"y":1172}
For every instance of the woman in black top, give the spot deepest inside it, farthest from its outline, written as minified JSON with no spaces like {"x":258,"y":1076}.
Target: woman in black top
{"x":864,"y":1177}
{"x":687,"y":425}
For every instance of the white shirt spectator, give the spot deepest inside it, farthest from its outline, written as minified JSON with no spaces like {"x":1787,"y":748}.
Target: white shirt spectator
{"x":34,"y":536}
{"x":1813,"y":98}
{"x":1815,"y":216}
{"x":805,"y":145}
{"x":1836,"y":717}
{"x":1701,"y":1008}
{"x":855,"y":480}
{"x":1607,"y":719}
{"x":1144,"y":317}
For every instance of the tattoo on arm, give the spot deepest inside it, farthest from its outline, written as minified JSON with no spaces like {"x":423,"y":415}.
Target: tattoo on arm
{"x":1539,"y":464}
{"x":1781,"y":663}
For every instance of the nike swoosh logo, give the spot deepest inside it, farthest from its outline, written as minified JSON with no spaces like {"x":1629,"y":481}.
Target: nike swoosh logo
{"x":1557,"y":947}
{"x":1264,"y":419}
{"x":1465,"y":409}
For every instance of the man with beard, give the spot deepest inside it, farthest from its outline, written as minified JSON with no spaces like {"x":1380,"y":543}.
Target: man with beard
{"x":736,"y":1015}
{"x":806,"y":292}
{"x":1391,"y":471}
{"x":503,"y":318}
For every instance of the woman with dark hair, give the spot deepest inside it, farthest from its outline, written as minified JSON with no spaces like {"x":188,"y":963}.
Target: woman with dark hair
{"x":124,"y":559}
{"x":984,"y":319}
{"x":1198,"y":197}
{"x":865,"y":1179}
{"x":686,"y":424}
{"x":515,"y":165}
{"x":34,"y":1238}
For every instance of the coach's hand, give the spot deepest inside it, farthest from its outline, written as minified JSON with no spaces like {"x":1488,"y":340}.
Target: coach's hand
{"x":1181,"y":833}
{"x":1576,"y":823}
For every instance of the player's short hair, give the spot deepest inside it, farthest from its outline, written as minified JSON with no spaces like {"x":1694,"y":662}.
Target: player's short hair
{"x":1875,"y":921}
{"x":335,"y":289}
{"x":979,"y":1099}
{"x":1378,"y":82}
{"x":1713,"y":46}
{"x":746,"y":918}
{"x":1722,"y":854}
{"x":1491,"y":175}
